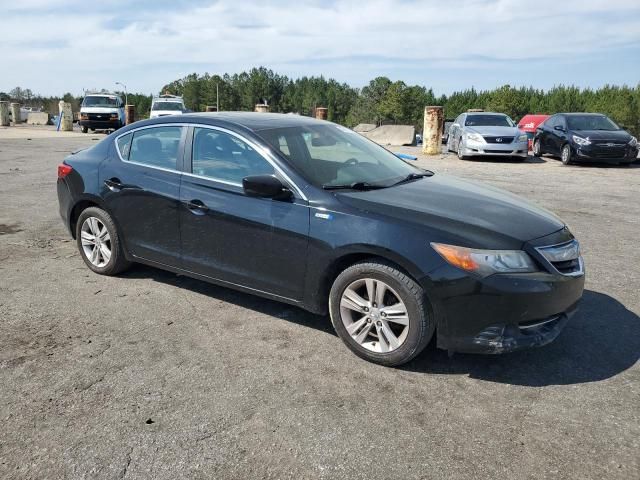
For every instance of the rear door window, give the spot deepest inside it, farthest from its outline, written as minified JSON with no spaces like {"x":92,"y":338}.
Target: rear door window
{"x":156,"y":147}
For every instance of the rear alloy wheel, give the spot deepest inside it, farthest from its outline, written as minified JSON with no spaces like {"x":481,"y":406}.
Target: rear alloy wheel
{"x":99,"y":243}
{"x":537,"y":151}
{"x":379,"y":313}
{"x":565,"y":155}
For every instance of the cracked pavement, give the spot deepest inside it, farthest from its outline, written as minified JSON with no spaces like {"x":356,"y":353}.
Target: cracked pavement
{"x":151,"y":375}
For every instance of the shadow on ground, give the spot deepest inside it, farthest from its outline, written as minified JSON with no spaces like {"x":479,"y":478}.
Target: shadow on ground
{"x":601,"y":340}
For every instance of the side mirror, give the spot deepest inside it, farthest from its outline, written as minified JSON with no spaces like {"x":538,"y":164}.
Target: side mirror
{"x":559,"y":128}
{"x":265,"y":186}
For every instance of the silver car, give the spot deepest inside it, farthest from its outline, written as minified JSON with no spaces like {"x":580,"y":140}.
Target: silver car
{"x":487,"y":134}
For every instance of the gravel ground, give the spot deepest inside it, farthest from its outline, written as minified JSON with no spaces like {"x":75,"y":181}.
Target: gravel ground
{"x":150,"y":375}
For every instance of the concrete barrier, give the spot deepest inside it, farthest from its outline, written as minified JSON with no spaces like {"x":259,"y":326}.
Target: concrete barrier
{"x":38,"y":118}
{"x":397,"y":135}
{"x":262,"y":108}
{"x":364,"y":127}
{"x":432,"y":133}
{"x":4,"y":114}
{"x":15,"y":113}
{"x":66,"y":124}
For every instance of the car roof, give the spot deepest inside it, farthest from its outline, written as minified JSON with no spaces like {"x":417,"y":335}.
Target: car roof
{"x":254,"y":121}
{"x":486,"y":113}
{"x":582,"y":114}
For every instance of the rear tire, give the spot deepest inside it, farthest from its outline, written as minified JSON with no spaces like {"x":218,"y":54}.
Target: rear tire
{"x":360,"y":305}
{"x":566,"y":154}
{"x":99,"y":242}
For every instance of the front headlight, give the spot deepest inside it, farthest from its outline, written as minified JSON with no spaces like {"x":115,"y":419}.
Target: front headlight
{"x":475,"y":137}
{"x":521,"y":138}
{"x":581,"y":141}
{"x":633,"y":142}
{"x":486,"y":262}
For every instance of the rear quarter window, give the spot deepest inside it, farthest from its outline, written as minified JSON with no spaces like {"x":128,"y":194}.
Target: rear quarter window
{"x":124,"y":145}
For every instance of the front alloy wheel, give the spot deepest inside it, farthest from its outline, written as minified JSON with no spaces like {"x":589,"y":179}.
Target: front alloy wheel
{"x":380,"y":313}
{"x":566,"y":154}
{"x":461,"y":147}
{"x":537,"y":151}
{"x":374,"y":315}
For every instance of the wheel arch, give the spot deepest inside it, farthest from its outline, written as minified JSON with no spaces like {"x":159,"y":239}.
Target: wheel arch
{"x":82,"y":204}
{"x":350,"y":256}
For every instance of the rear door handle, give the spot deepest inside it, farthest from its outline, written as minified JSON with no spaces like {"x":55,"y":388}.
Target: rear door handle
{"x":197,"y":207}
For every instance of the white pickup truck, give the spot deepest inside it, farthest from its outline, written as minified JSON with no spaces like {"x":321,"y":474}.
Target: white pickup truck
{"x":167,"y":105}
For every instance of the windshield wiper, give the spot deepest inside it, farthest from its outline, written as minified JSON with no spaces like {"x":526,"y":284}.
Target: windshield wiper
{"x":414,"y":176}
{"x":353,"y":186}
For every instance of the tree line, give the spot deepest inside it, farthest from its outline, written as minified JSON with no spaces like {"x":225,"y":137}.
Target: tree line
{"x":382,"y":101}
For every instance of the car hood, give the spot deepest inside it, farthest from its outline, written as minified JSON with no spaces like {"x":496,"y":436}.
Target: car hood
{"x":495,"y":131}
{"x":619,"y":136}
{"x":468,"y":213}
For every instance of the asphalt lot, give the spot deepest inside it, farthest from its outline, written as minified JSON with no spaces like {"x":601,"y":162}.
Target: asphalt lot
{"x":150,"y":375}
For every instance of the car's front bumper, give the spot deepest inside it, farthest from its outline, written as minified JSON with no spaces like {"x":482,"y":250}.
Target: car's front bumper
{"x":101,"y":124}
{"x":591,"y":154}
{"x":518,"y":149}
{"x":502,"y":312}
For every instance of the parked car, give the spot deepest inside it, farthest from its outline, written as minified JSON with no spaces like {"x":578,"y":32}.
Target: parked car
{"x":585,"y":137}
{"x":445,"y":131}
{"x":529,"y":124}
{"x":167,"y":105}
{"x":101,"y":111}
{"x":312,"y":214}
{"x":477,"y":134}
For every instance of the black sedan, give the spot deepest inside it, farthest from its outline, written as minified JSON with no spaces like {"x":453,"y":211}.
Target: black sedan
{"x":585,"y":137}
{"x":312,"y":214}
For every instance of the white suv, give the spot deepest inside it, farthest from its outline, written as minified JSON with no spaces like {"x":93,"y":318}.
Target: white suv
{"x":167,"y":105}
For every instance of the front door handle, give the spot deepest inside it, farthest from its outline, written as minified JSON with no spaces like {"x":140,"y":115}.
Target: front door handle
{"x":197,"y":207}
{"x":114,"y":184}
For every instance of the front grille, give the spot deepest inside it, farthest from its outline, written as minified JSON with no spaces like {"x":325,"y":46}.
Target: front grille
{"x":564,"y":258}
{"x":490,"y":139}
{"x":100,"y":117}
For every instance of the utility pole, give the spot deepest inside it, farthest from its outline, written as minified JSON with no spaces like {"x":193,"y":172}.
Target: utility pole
{"x":217,"y":98}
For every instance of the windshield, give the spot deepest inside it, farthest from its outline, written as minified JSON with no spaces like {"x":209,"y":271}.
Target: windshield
{"x":488,"y":121}
{"x":331,"y":155}
{"x":109,"y":102}
{"x":590,"y":122}
{"x":173,"y":106}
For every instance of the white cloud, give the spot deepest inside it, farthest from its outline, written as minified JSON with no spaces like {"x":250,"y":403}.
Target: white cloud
{"x":68,"y":45}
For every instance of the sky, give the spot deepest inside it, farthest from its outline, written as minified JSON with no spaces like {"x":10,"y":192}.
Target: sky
{"x":58,"y":46}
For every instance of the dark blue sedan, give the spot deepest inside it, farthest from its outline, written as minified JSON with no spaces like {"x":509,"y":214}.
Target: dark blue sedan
{"x":312,"y":214}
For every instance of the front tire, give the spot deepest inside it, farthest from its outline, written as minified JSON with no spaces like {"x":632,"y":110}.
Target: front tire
{"x":99,"y":242}
{"x":380,"y":313}
{"x":85,"y":129}
{"x":461,"y":154}
{"x":566,"y":154}
{"x":537,"y":148}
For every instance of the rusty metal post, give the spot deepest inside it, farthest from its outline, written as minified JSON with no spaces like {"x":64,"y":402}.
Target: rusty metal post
{"x":211,"y":108}
{"x":432,"y":133}
{"x":262,"y":108}
{"x":15,"y":113}
{"x":4,"y":114}
{"x":66,"y":124}
{"x":130,"y":114}
{"x":321,"y":113}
